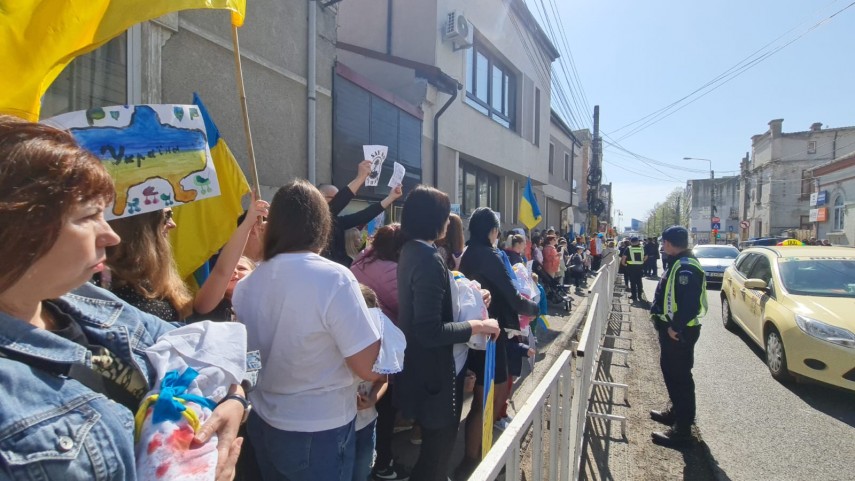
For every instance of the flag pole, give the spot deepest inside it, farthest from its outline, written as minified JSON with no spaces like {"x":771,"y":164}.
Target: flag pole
{"x":253,"y":170}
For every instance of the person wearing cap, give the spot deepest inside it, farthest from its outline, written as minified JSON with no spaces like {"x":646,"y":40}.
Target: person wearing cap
{"x":678,"y":305}
{"x":633,"y":260}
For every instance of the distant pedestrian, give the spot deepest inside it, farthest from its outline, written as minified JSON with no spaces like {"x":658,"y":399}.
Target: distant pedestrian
{"x":678,"y":305}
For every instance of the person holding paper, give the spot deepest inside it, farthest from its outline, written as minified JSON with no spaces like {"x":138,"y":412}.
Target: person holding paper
{"x":338,"y":200}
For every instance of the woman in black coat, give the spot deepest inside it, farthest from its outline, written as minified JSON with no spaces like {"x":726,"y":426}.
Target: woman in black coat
{"x":429,"y":389}
{"x":481,"y":262}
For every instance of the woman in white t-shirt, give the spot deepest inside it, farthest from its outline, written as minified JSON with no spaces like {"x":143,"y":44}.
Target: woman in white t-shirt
{"x":307,"y":317}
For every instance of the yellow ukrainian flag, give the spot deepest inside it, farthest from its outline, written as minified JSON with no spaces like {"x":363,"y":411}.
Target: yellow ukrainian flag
{"x":529,"y":211}
{"x":205,"y":226}
{"x":38,"y":38}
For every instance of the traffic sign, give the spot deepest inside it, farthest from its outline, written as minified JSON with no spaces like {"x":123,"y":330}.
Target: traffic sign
{"x":694,"y":229}
{"x":730,"y":228}
{"x":744,"y":224}
{"x":716,"y":225}
{"x":715,"y":220}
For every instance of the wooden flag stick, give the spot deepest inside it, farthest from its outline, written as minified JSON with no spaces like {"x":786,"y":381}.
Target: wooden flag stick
{"x":253,"y":170}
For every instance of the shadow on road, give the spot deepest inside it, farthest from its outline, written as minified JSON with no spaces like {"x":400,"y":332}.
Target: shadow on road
{"x":699,"y":459}
{"x":829,"y":400}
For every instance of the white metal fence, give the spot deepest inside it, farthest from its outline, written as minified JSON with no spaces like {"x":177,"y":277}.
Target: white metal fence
{"x":562,"y":396}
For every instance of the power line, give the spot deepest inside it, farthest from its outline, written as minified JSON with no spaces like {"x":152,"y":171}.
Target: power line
{"x":723,"y":78}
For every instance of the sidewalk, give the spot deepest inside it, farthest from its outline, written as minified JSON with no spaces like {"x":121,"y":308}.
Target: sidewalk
{"x":550,"y":345}
{"x":608,"y":455}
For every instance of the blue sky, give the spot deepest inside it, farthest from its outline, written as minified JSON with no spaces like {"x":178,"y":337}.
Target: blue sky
{"x":634,"y":58}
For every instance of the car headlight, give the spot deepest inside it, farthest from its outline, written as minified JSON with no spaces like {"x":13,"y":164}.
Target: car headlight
{"x":826,"y":332}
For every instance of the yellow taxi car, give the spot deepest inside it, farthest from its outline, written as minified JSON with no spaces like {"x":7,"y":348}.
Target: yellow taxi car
{"x":798,"y":304}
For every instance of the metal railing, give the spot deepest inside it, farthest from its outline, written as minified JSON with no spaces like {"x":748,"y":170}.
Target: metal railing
{"x":563,"y":395}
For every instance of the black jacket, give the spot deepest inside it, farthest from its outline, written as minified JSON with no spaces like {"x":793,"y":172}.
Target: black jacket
{"x":336,"y":250}
{"x":426,"y":390}
{"x":482,"y":263}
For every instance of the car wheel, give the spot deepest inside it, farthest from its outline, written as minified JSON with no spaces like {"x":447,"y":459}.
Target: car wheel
{"x":726,"y":315}
{"x":776,"y":357}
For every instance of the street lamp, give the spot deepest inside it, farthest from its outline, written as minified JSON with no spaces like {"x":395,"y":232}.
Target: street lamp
{"x":712,"y":194}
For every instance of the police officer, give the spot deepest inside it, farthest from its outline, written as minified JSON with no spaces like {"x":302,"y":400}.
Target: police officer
{"x":633,"y":261}
{"x":678,"y":305}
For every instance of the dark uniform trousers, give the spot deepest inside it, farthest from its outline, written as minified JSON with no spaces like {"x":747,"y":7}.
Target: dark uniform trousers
{"x":635,"y":272}
{"x":676,"y":360}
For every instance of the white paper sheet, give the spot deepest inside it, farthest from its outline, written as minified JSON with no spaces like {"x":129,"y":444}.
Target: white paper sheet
{"x":397,"y":176}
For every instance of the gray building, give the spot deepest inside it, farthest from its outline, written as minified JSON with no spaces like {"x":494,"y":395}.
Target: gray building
{"x":479,"y":71}
{"x":775,"y":180}
{"x":832,"y":202}
{"x":167,"y":59}
{"x":567,"y":186}
{"x":700,"y":202}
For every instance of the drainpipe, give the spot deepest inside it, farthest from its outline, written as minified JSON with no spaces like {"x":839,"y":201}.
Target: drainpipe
{"x":436,"y":135}
{"x":311,"y":92}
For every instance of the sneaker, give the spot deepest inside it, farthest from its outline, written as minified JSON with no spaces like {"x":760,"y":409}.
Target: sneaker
{"x":395,"y":472}
{"x":503,"y":423}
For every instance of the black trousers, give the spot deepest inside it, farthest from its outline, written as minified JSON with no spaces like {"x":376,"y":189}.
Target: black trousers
{"x":676,"y":360}
{"x":634,"y":272}
{"x":438,"y":445}
{"x":385,"y":428}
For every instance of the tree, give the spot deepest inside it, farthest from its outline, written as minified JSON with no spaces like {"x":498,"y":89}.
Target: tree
{"x":672,"y":211}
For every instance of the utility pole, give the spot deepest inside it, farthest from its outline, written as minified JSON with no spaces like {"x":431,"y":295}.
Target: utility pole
{"x":712,"y":204}
{"x":595,"y":176}
{"x":677,"y":211}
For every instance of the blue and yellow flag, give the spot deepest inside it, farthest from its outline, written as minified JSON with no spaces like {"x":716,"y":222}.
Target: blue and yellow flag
{"x":205,"y":226}
{"x":529,"y":211}
{"x":39,"y":38}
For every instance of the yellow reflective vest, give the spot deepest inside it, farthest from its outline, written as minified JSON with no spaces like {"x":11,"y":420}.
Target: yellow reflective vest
{"x":635,"y":255}
{"x":669,"y":298}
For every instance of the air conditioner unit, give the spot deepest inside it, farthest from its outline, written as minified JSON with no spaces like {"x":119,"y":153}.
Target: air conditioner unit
{"x":459,"y":31}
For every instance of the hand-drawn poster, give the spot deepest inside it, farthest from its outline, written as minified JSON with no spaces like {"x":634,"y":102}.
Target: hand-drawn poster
{"x":157,"y":155}
{"x":397,"y":176}
{"x":376,"y":154}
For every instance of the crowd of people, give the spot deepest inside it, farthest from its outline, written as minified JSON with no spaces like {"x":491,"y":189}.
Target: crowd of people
{"x":347,"y":335}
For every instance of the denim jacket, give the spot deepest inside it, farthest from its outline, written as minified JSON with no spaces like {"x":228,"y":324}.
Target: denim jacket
{"x":53,"y":427}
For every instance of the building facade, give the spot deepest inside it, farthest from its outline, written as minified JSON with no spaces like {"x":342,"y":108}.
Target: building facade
{"x":774,"y":183}
{"x":832,"y":202}
{"x":700,"y":202}
{"x":479,"y":71}
{"x":565,"y":177}
{"x":168,"y":59}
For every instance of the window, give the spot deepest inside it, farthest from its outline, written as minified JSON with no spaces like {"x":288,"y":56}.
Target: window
{"x":759,"y":198}
{"x":839,"y":213}
{"x":806,"y":184}
{"x":491,"y":87}
{"x":536,"y":116}
{"x":479,"y":189}
{"x":812,"y":147}
{"x":551,"y":158}
{"x":566,"y":167}
{"x":97,"y":79}
{"x":744,"y":264}
{"x":761,"y":270}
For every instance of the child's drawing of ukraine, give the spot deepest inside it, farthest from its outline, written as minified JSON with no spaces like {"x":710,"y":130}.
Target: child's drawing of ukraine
{"x":157,"y":155}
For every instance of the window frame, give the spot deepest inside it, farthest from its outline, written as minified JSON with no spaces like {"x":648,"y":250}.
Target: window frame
{"x":811,"y":147}
{"x":508,"y":89}
{"x":483,"y":178}
{"x":839,"y":213}
{"x":567,"y":167}
{"x":551,"y":158}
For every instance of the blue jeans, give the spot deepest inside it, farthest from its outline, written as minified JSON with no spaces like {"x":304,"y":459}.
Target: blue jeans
{"x":297,"y":456}
{"x":365,"y":438}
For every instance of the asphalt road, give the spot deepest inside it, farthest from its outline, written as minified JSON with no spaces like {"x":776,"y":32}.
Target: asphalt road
{"x":757,"y":428}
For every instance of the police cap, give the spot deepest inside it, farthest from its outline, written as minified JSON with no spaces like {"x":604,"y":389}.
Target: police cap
{"x":677,"y":235}
{"x":633,"y":239}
